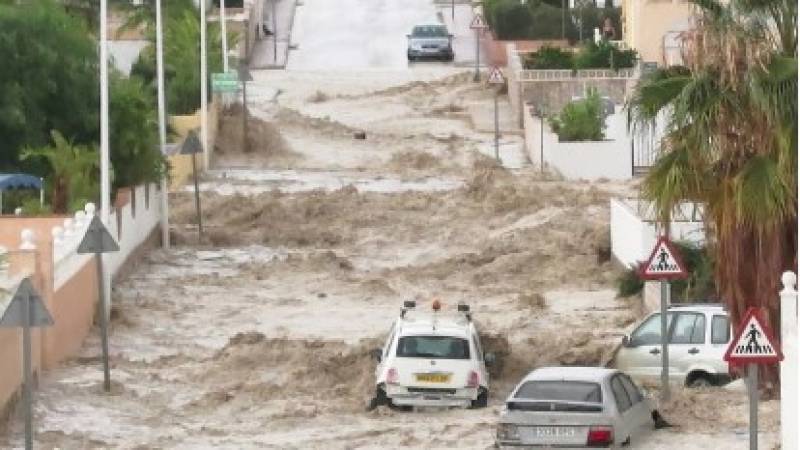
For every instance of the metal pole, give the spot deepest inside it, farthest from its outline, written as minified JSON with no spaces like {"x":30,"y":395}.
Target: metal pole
{"x":275,"y":31}
{"x":197,"y":200}
{"x":664,"y":339}
{"x":224,"y":35}
{"x":563,"y":19}
{"x":103,"y":325}
{"x":477,"y":76}
{"x":28,"y":373}
{"x":496,"y":127}
{"x":105,"y":193}
{"x":752,"y":381}
{"x":162,"y":125}
{"x":453,"y":11}
{"x":541,"y":142}
{"x":41,"y":192}
{"x":203,"y":85}
{"x":245,"y":141}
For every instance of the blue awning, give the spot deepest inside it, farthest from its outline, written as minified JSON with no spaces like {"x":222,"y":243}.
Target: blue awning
{"x":19,"y":181}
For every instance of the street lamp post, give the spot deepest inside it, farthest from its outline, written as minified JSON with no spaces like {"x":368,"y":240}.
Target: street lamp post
{"x":222,"y":30}
{"x":162,"y":128}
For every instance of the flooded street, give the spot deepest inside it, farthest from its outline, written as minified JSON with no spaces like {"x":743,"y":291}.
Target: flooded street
{"x":258,"y":335}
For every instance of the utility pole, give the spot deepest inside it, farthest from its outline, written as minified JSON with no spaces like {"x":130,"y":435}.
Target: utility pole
{"x":203,"y":85}
{"x":223,"y":32}
{"x":162,"y":126}
{"x":275,"y":31}
{"x":563,"y":19}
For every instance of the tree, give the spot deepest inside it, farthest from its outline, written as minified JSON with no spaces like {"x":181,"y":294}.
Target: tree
{"x":181,"y":59}
{"x":48,"y":78}
{"x":74,"y":172}
{"x":731,"y":144}
{"x":133,"y":138}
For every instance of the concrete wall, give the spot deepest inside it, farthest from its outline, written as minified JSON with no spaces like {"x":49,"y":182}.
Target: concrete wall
{"x":66,"y":280}
{"x":609,"y":159}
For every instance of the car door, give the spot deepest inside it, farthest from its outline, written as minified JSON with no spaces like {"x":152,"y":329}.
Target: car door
{"x":687,"y":343}
{"x":641,"y":358}
{"x":718,"y":342}
{"x":625,"y":423}
{"x":640,"y":413}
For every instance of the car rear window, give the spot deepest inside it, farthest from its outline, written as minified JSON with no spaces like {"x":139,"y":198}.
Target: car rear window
{"x":720,"y":330}
{"x":444,"y":347}
{"x":429,"y":31}
{"x":565,"y":391}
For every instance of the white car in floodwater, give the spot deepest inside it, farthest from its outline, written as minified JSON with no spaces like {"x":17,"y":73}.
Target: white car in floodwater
{"x":432,"y":358}
{"x":573,"y":408}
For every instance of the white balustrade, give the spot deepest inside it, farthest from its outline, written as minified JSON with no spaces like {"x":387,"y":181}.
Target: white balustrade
{"x":27,"y":237}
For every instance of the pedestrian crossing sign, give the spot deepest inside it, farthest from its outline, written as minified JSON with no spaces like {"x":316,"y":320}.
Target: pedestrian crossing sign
{"x":664,"y":263}
{"x":753,"y":342}
{"x":496,"y":76}
{"x":478,"y":23}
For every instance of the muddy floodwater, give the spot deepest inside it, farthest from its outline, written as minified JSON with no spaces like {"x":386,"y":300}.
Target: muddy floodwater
{"x":258,"y":335}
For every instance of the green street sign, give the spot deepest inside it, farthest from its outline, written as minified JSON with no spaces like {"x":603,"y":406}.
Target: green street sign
{"x":225,"y":82}
{"x":225,"y":76}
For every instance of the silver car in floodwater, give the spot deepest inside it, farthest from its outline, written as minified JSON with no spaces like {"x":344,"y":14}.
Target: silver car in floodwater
{"x":430,"y":41}
{"x":574,"y":407}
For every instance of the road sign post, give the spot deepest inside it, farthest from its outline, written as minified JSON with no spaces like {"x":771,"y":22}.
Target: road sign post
{"x":26,"y":310}
{"x":98,"y":240}
{"x":477,"y":24}
{"x":496,"y":78}
{"x":753,"y":344}
{"x":664,"y":264}
{"x":192,"y":146}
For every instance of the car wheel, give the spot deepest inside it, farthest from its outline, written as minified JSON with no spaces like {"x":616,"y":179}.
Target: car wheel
{"x":378,"y":400}
{"x":700,"y":381}
{"x":482,"y":401}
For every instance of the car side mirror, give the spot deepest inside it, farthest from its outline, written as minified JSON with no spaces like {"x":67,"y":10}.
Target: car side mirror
{"x":489,"y":359}
{"x":450,"y":36}
{"x":376,"y":354}
{"x":626,"y":341}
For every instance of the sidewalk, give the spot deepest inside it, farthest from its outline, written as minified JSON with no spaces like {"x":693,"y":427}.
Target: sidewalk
{"x":264,"y":55}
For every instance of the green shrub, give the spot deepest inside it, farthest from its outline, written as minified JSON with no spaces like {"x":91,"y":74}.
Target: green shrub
{"x":32,"y":207}
{"x":603,"y":56}
{"x":700,"y":285}
{"x":549,"y":58}
{"x":581,"y":120}
{"x":629,"y":283}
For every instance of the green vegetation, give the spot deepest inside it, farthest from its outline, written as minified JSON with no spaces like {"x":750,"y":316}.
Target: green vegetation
{"x":545,"y":19}
{"x":592,"y":56}
{"x":581,"y":120}
{"x":181,"y":58}
{"x":698,"y":287}
{"x":73,"y":176}
{"x":731,"y":143}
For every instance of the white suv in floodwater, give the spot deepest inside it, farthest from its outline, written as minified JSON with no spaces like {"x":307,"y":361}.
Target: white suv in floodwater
{"x":432,"y":358}
{"x":698,"y":335}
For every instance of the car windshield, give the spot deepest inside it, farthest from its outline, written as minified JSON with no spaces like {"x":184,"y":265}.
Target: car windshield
{"x":564,"y":391}
{"x":429,"y":31}
{"x":444,"y":347}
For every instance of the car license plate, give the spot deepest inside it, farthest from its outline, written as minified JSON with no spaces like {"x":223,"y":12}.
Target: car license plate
{"x":433,"y":377}
{"x":549,"y":435}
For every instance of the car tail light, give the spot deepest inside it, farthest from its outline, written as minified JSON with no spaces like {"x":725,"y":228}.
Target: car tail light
{"x":473,"y":379}
{"x":600,"y":437}
{"x":392,"y":377}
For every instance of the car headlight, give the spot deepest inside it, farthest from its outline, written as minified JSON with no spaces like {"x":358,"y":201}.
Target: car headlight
{"x":507,"y":432}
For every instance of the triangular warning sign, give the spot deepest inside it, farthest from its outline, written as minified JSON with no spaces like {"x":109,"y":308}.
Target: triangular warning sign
{"x":14,"y":315}
{"x":496,"y":76}
{"x":97,"y":239}
{"x":664,"y":263}
{"x":477,"y":22}
{"x":753,"y":342}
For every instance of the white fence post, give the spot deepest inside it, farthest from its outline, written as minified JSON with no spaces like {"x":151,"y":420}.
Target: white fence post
{"x":789,"y":365}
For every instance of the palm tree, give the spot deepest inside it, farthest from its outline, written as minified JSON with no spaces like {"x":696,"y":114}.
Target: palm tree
{"x":74,"y":176}
{"x":731,"y":143}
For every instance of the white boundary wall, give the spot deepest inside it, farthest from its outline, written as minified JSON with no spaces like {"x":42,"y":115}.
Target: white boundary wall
{"x":136,"y":220}
{"x":790,"y":393}
{"x":633,"y":237}
{"x":591,"y":160}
